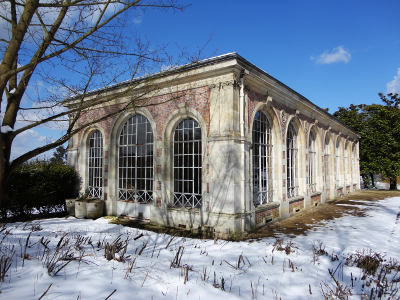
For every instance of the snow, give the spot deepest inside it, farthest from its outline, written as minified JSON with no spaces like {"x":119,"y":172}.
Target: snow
{"x":6,"y":129}
{"x":384,"y":185}
{"x":12,"y":91}
{"x":264,"y":272}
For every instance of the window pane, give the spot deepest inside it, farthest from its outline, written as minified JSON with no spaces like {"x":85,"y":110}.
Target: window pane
{"x":187,"y":164}
{"x":135,"y":166}
{"x":95,"y":163}
{"x":262,"y":167}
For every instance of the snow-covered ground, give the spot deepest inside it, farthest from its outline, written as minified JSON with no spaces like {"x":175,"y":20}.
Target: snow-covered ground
{"x":384,"y":185}
{"x":152,"y":268}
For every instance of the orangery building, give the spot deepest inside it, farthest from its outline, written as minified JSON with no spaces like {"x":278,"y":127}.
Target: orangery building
{"x":218,"y":144}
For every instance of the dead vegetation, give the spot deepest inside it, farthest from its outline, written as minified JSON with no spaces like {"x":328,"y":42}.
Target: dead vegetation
{"x":116,"y":249}
{"x":379,"y":279}
{"x":376,"y":277}
{"x":280,"y":246}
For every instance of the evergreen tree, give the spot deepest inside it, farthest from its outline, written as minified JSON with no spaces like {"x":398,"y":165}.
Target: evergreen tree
{"x":59,"y":156}
{"x":379,"y":128}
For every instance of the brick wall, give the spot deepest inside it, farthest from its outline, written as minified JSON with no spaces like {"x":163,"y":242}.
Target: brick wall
{"x":271,"y":213}
{"x":160,"y":109}
{"x":295,"y":205}
{"x":315,"y":199}
{"x":339,"y":191}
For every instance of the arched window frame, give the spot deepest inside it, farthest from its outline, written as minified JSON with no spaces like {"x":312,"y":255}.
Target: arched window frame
{"x":187,"y":164}
{"x":95,"y":163}
{"x":337,"y":163}
{"x":354,"y":164}
{"x":262,"y":159}
{"x":135,"y":174}
{"x":346,"y":163}
{"x":291,"y":162}
{"x":312,"y":163}
{"x":326,"y":161}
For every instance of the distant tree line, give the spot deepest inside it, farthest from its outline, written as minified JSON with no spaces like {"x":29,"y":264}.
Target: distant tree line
{"x":379,"y":128}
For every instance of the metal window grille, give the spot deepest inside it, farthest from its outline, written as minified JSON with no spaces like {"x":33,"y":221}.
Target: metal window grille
{"x":291,"y":149}
{"x":337,"y":163}
{"x":135,"y":160}
{"x":326,"y":161}
{"x":346,"y":166}
{"x":354,"y":164}
{"x":95,"y":164}
{"x":187,"y":164}
{"x":311,"y":163}
{"x":262,"y":160}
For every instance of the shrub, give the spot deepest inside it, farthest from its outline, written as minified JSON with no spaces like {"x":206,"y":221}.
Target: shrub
{"x":40,"y":185}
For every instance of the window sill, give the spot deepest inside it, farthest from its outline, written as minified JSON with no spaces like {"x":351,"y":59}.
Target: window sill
{"x":267,"y":206}
{"x":184,"y":209}
{"x":296,"y":199}
{"x":316,"y":194}
{"x":133,"y":202}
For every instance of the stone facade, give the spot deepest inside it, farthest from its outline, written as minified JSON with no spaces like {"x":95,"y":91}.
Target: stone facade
{"x":223,"y":96}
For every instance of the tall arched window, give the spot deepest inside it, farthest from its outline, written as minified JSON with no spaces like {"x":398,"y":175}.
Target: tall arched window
{"x":262,"y":160}
{"x":354,"y":164}
{"x":337,"y":163}
{"x":291,"y":162}
{"x":187,"y":164}
{"x":346,"y":164}
{"x":135,"y":160}
{"x":95,"y":163}
{"x":326,"y":161}
{"x":312,"y":163}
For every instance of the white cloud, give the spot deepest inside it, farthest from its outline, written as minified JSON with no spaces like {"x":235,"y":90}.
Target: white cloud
{"x":26,"y":141}
{"x":338,"y":54}
{"x":394,"y":85}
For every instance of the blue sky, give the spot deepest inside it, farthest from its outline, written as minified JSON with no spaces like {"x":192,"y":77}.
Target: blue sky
{"x":335,"y":53}
{"x":281,"y":37}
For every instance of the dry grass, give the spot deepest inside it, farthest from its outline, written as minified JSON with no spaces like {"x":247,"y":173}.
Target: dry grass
{"x":309,"y":218}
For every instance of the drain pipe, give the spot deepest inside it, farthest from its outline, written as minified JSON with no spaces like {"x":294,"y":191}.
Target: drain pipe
{"x":242,"y":115}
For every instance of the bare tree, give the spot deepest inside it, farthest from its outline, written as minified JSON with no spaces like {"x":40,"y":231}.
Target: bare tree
{"x":72,"y":46}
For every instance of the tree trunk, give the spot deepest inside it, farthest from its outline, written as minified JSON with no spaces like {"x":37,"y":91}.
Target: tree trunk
{"x":365,"y":181}
{"x":393,"y":183}
{"x":5,"y":150}
{"x":2,"y":170}
{"x":372,"y":179}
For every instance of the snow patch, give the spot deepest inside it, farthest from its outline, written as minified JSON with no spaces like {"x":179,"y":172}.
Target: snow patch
{"x":6,"y":129}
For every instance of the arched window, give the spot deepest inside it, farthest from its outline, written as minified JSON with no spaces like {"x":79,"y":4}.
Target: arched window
{"x":187,"y":164}
{"x":354,"y":164}
{"x":312,"y":163}
{"x":135,"y":160}
{"x":262,"y":160}
{"x":291,"y":162}
{"x":337,"y":163}
{"x":346,"y":164}
{"x":326,"y":161}
{"x":95,"y":163}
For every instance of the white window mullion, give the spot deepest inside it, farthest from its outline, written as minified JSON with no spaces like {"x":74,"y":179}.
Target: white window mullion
{"x":95,"y":168}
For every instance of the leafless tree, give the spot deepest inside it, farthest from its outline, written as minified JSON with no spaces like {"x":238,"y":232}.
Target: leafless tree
{"x":72,"y":47}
